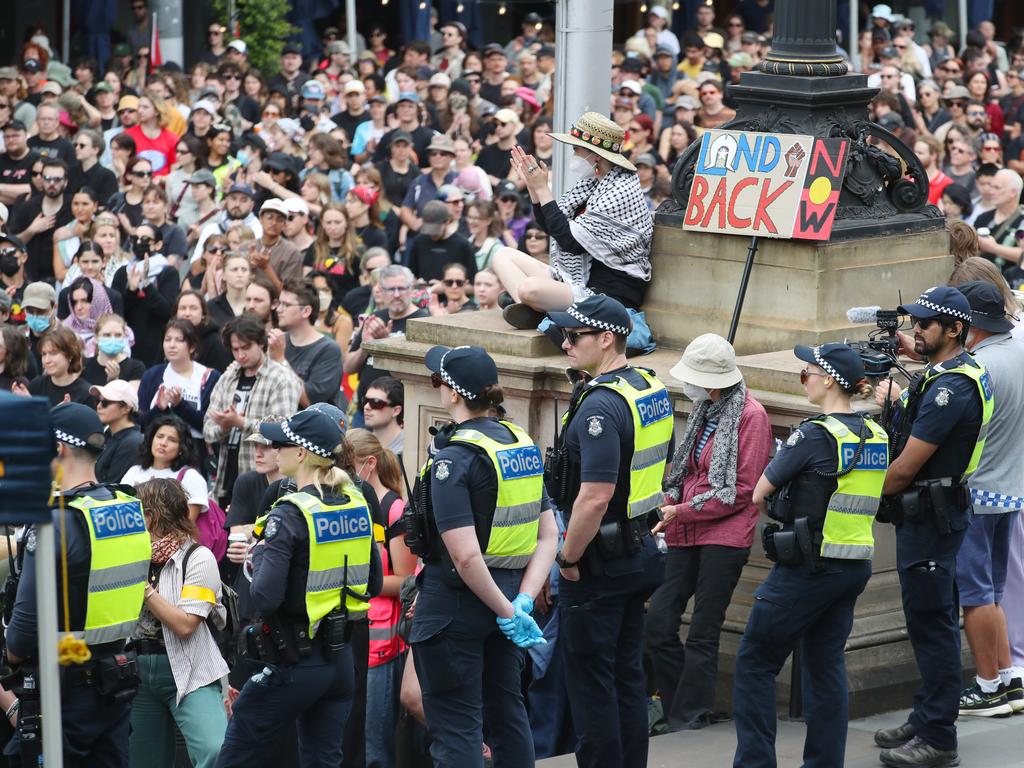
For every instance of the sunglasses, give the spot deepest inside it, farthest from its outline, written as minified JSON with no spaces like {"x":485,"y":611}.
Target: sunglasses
{"x":508,"y":199}
{"x":996,"y":148}
{"x":108,"y":403}
{"x":950,"y":70}
{"x":126,"y":110}
{"x":924,"y":323}
{"x":232,"y":77}
{"x":957,"y":104}
{"x":216,"y":249}
{"x":53,"y":179}
{"x":375,"y":403}
{"x":536,"y":236}
{"x":82,"y":145}
{"x":4,"y":105}
{"x":141,"y":240}
{"x":454,"y":283}
{"x":8,"y":251}
{"x":140,"y":174}
{"x":36,"y":174}
{"x":573,"y":337}
{"x":806,"y":374}
{"x":975,"y":113}
{"x":271,"y":113}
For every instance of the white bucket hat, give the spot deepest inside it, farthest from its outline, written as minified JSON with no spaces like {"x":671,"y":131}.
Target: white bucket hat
{"x":708,"y":361}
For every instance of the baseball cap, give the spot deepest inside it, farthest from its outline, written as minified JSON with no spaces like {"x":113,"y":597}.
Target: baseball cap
{"x":713,"y":40}
{"x":313,"y":90}
{"x":52,"y":87}
{"x":939,"y":300}
{"x":506,"y":115}
{"x":440,"y":80}
{"x":467,"y":370}
{"x":546,"y":50}
{"x":206,"y":105}
{"x":15,"y":125}
{"x":442,"y":142}
{"x":409,"y":96}
{"x":506,"y":188}
{"x":493,"y":48}
{"x":203,"y":176}
{"x":103,"y":87}
{"x":243,"y":189}
{"x":646,"y":159}
{"x":7,"y":237}
{"x":309,"y":429}
{"x":39,"y":296}
{"x":31,"y":65}
{"x":661,"y":50}
{"x":78,"y":425}
{"x":238,"y":45}
{"x":354,"y":86}
{"x":889,"y":53}
{"x":449,"y":192}
{"x":274,"y":204}
{"x":128,"y":102}
{"x":435,"y":216}
{"x":333,"y":412}
{"x":597,"y":311}
{"x":882,"y":11}
{"x":296,"y":205}
{"x":840,"y":361}
{"x":400,"y":135}
{"x":659,"y":11}
{"x":291,"y":47}
{"x":988,"y":308}
{"x":117,"y":391}
{"x":632,"y":85}
{"x":368,"y":195}
{"x":338,"y":46}
{"x":8,"y":73}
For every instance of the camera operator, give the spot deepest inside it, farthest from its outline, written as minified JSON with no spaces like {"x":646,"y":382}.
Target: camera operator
{"x":824,"y":486}
{"x":941,"y":424}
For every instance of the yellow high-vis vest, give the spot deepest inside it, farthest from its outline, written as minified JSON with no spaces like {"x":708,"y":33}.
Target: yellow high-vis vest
{"x":520,"y":472}
{"x":847,"y":534}
{"x":118,"y":568}
{"x":340,"y":548}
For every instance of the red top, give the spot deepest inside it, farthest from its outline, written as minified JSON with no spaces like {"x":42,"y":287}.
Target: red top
{"x":936,"y":186}
{"x":717,"y":523}
{"x":160,"y":151}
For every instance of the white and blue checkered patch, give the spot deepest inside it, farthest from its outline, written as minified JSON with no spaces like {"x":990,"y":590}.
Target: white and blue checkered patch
{"x":991,"y":499}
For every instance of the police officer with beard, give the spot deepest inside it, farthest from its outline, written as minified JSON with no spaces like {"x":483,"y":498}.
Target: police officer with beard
{"x":490,"y":553}
{"x":606,"y":476}
{"x":941,"y":422}
{"x":108,"y":554}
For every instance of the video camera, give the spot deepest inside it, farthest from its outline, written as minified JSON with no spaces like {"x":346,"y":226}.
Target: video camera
{"x":880,"y":351}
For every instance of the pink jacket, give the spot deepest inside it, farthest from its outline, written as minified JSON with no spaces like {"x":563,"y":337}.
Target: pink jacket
{"x":717,"y":523}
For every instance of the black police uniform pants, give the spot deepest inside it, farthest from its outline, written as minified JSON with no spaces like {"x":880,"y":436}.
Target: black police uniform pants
{"x":95,"y":732}
{"x":471,"y":675}
{"x":317,"y":692}
{"x":926,"y":561}
{"x":686,"y":675}
{"x":816,"y":610}
{"x":602,"y":639}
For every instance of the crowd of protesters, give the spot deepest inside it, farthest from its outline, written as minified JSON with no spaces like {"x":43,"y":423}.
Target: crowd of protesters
{"x":195,"y":252}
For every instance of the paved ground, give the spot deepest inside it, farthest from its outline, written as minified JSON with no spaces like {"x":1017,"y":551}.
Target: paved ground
{"x":984,"y":743}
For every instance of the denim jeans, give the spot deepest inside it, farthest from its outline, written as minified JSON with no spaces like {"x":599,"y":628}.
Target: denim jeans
{"x":686,"y":675}
{"x":816,"y":610}
{"x":382,"y":685}
{"x":200,"y":717}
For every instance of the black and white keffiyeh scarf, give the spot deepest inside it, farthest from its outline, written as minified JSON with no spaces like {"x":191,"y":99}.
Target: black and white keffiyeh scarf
{"x":616,"y":228}
{"x":724,"y":453}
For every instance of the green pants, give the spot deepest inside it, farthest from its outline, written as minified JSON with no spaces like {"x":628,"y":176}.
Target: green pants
{"x":200,"y":717}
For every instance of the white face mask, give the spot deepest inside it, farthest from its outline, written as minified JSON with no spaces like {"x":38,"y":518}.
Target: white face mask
{"x":695,"y":393}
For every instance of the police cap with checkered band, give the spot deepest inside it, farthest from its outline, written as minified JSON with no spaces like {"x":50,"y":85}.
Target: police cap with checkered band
{"x":315,"y":431}
{"x":940,"y":300}
{"x":467,"y":370}
{"x":77,"y":425}
{"x":840,"y":361}
{"x":597,"y":311}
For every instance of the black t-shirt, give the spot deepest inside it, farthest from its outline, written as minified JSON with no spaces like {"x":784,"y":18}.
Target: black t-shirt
{"x":369,"y":374}
{"x":396,"y":184}
{"x":349,"y":123}
{"x":428,"y":257}
{"x":234,"y":442}
{"x":120,"y":453}
{"x":373,"y":237}
{"x":100,"y":180}
{"x":17,"y":171}
{"x":495,"y":161}
{"x":247,"y":107}
{"x":94,"y":373}
{"x":59,"y":148}
{"x":78,"y":391}
{"x":245,"y":499}
{"x":491,"y":93}
{"x":39,"y":265}
{"x":421,"y":138}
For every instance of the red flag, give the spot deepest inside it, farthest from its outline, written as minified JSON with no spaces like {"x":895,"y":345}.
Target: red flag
{"x":155,"y":58}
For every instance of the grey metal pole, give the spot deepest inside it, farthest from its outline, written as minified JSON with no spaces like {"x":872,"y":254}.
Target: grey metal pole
{"x":350,"y":26}
{"x":961,"y":12}
{"x":172,"y":40}
{"x":853,"y":44}
{"x":65,"y":36}
{"x":583,"y":49}
{"x":49,"y":672}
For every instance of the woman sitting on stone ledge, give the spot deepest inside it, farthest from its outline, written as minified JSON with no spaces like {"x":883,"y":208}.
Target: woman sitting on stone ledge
{"x":600,"y":230}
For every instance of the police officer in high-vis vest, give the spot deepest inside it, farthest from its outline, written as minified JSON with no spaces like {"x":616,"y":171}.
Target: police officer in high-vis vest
{"x":490,"y":550}
{"x":313,"y":572}
{"x":108,"y":553}
{"x":606,"y":476}
{"x":940,"y":426}
{"x":823,"y":487}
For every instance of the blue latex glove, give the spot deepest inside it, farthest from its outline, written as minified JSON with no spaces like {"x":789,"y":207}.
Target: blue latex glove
{"x":524,"y":602}
{"x":522,"y":630}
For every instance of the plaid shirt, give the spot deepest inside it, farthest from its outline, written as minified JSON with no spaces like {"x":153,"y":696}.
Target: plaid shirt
{"x":275,"y":392}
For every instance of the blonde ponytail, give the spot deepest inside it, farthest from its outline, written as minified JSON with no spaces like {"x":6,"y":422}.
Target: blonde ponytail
{"x":326,"y":474}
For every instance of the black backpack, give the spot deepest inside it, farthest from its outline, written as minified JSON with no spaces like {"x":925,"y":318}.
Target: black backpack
{"x":224,"y":638}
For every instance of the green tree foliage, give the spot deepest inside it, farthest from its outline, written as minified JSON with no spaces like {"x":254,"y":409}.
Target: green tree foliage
{"x":262,"y":26}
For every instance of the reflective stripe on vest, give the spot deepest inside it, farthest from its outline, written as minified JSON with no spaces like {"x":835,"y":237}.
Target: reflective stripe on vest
{"x":652,"y":432}
{"x":340,"y":545}
{"x":520,"y":472}
{"x":118,"y":566}
{"x":847,"y":534}
{"x":981,"y":379}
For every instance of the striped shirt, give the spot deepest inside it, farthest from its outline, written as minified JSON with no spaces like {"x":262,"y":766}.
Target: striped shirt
{"x":195,"y":660}
{"x":705,"y":435}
